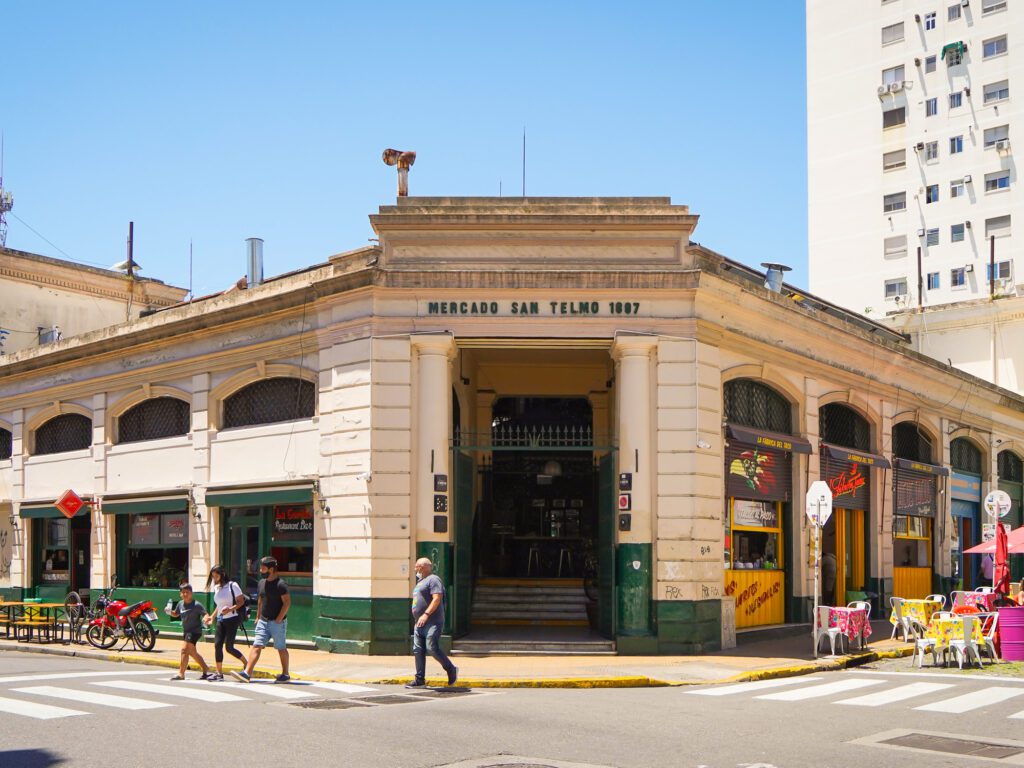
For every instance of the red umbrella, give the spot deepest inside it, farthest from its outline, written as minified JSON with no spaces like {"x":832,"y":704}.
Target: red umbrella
{"x":1001,"y":577}
{"x":1015,"y":544}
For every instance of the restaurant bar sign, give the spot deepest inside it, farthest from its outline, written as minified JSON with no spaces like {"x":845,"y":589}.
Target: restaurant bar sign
{"x":154,"y":530}
{"x":293,"y":523}
{"x":545,"y":307}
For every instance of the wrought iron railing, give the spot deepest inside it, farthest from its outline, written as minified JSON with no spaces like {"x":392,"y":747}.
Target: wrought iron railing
{"x":546,"y":437}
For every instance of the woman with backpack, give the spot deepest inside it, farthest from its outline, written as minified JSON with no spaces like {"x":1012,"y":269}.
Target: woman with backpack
{"x":229,"y":612}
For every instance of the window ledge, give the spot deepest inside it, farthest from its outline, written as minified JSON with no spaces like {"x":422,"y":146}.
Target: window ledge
{"x":264,"y":430}
{"x":997,"y":191}
{"x":158,"y":443}
{"x":83,"y":453}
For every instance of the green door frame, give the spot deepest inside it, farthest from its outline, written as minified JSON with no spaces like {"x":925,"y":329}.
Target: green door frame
{"x":258,"y":520}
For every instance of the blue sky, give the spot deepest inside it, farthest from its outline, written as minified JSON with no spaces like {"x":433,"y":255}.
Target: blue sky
{"x":213,"y":122}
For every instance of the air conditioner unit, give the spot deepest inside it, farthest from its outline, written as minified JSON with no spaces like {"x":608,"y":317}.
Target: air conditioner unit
{"x":883,"y":89}
{"x":917,"y":17}
{"x":967,"y":180}
{"x":1003,"y":144}
{"x":897,"y":86}
{"x":967,"y":224}
{"x":967,"y":91}
{"x":965,"y":3}
{"x":920,"y":233}
{"x":917,"y":62}
{"x":969,"y":268}
{"x":920,"y":146}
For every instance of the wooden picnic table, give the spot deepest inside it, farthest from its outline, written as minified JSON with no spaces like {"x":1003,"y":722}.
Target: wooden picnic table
{"x":40,"y":620}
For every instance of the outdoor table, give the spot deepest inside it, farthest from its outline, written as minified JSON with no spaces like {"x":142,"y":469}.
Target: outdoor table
{"x":983,"y":601}
{"x":48,"y":622}
{"x":851,"y":622}
{"x":943,"y":630}
{"x":921,"y":610}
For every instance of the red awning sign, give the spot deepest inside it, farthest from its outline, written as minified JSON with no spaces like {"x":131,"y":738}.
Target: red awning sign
{"x":69,"y":504}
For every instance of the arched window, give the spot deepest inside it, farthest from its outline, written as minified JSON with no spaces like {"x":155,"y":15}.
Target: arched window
{"x":841,"y":425}
{"x":154,"y":418}
{"x":753,"y":404}
{"x":67,"y":432}
{"x":268,"y":401}
{"x":6,"y":444}
{"x":910,"y":443}
{"x":1011,"y":468}
{"x":965,"y":456}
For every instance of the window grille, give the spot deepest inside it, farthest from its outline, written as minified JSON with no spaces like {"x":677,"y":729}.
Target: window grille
{"x":843,"y":426}
{"x":154,"y":419}
{"x":269,"y":401}
{"x":6,"y":444}
{"x":1011,"y":468}
{"x":756,"y":405}
{"x":909,"y":443}
{"x":965,"y":456}
{"x":67,"y":432}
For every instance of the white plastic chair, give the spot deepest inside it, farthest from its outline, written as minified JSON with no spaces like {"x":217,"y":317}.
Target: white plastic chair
{"x":896,"y":603}
{"x":822,"y":628}
{"x":938,"y":598}
{"x":956,"y":598}
{"x":922,"y":644}
{"x":988,"y":633}
{"x":967,"y":646}
{"x":985,"y":590}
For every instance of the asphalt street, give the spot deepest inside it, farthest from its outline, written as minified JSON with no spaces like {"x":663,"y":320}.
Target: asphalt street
{"x":57,"y":711}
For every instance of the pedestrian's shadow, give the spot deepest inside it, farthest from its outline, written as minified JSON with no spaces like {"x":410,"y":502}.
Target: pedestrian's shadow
{"x":29,"y":758}
{"x":444,"y":690}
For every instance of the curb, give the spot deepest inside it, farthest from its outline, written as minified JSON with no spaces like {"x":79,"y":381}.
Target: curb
{"x":582,"y":683}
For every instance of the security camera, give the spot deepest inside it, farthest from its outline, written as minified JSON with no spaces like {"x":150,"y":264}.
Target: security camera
{"x":367,"y":476}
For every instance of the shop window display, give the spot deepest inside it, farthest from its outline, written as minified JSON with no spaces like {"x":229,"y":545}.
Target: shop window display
{"x":157,"y":551}
{"x":54,"y":553}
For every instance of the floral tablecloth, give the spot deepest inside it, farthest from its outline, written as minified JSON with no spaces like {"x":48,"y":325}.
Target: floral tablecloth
{"x":945,"y":630}
{"x":921,"y":610}
{"x":852,"y":622}
{"x":983,"y":601}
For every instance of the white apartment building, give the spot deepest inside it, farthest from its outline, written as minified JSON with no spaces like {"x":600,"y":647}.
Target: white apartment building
{"x":914,"y":129}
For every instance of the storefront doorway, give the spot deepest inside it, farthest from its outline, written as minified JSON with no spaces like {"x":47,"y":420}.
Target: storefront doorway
{"x":534,"y":521}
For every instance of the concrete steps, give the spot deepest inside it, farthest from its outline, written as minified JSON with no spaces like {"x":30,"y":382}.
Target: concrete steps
{"x":538,"y":602}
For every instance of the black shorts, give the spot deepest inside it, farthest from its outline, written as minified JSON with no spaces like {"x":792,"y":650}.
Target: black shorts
{"x":193,"y":637}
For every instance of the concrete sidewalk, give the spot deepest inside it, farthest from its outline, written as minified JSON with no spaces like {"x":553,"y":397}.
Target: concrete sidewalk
{"x":754,"y":660}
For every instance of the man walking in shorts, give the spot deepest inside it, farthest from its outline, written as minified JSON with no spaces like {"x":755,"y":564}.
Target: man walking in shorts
{"x":428,"y":602}
{"x":271,"y":621}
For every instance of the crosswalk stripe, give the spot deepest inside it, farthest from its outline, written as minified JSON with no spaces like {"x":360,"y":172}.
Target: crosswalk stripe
{"x":36,"y":710}
{"x":1017,"y":716}
{"x":975,"y":700}
{"x":342,"y":687}
{"x":895,"y":694}
{"x":757,"y":685}
{"x":91,"y":697}
{"x":289,"y":691}
{"x":816,"y":691}
{"x":73,"y":675}
{"x":172,"y":689}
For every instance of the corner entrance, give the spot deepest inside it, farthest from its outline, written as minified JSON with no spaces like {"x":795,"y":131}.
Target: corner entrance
{"x":534,"y":530}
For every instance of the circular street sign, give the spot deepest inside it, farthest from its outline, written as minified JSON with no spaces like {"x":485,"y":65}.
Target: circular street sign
{"x":997,"y":504}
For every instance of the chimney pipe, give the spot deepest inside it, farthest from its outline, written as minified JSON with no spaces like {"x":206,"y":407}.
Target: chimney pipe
{"x":773,"y":277}
{"x":404,"y":160}
{"x":254,"y":272}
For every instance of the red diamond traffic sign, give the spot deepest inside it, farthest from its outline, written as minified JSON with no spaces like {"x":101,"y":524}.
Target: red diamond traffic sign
{"x":69,"y":504}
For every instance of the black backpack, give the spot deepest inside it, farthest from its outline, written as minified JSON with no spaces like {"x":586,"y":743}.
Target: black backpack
{"x":243,"y":612}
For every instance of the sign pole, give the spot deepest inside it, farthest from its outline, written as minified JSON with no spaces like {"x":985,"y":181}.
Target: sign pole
{"x":817,"y":577}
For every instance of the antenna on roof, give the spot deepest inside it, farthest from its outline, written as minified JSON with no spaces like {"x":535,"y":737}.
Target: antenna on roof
{"x":524,"y":161}
{"x":6,"y":198}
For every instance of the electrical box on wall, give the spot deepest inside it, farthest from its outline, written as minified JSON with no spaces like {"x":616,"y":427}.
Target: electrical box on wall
{"x":440,"y":503}
{"x":625,"y":522}
{"x":440,"y":524}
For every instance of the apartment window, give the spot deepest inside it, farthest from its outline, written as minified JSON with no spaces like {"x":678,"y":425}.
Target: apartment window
{"x":931,"y":151}
{"x":992,"y":6}
{"x":997,"y":91}
{"x":956,"y":99}
{"x":893,"y":160}
{"x":933,"y":281}
{"x":930,"y":62}
{"x":956,"y":233}
{"x":929,"y":21}
{"x":892,"y":118}
{"x":931,"y":107}
{"x":893,"y":75}
{"x":956,"y":188}
{"x":894,"y":202}
{"x":931,"y":193}
{"x":957,"y":277}
{"x":892,"y":34}
{"x":997,"y":226}
{"x":896,"y":287}
{"x":931,"y":237}
{"x":953,"y":12}
{"x":999,"y":133}
{"x":956,"y":145}
{"x":896,"y":247}
{"x":997,"y":181}
{"x":994,"y":47}
{"x":1002,"y":270}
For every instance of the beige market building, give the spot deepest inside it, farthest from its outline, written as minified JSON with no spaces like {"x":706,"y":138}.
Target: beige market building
{"x":600,"y":431}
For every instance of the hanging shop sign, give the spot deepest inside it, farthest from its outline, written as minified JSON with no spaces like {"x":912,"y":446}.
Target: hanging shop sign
{"x":293,"y":523}
{"x":755,"y":514}
{"x":965,"y":487}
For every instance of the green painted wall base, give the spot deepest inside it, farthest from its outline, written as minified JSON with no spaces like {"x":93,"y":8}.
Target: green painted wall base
{"x":688,"y":627}
{"x":633,"y":589}
{"x":11,"y":594}
{"x":440,"y":554}
{"x":378,"y":626}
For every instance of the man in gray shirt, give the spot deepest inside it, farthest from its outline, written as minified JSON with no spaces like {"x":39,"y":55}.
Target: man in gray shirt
{"x":428,"y":602}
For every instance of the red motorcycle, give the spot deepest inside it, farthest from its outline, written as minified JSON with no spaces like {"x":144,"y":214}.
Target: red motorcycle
{"x":115,"y":619}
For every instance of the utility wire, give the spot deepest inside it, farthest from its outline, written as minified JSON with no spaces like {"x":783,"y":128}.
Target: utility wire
{"x":50,"y":242}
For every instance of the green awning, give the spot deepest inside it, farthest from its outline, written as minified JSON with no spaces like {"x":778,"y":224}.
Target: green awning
{"x":957,"y":47}
{"x":49,"y":511}
{"x":146,"y":506}
{"x":259,"y":498}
